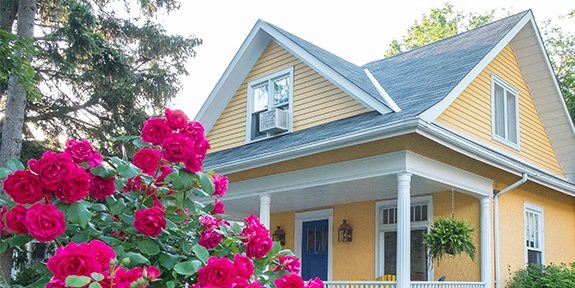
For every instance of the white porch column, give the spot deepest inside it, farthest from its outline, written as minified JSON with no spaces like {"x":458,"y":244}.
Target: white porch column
{"x":265,"y":201}
{"x":485,"y":241}
{"x":403,"y":230}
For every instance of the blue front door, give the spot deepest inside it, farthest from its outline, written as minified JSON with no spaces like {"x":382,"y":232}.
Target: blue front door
{"x":315,"y":242}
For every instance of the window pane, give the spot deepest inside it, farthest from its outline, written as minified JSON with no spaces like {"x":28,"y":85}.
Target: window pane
{"x":499,"y":111}
{"x":533,"y":257}
{"x":281,"y":91}
{"x":310,"y":239}
{"x":390,"y":251}
{"x":511,"y":118}
{"x":260,"y":97}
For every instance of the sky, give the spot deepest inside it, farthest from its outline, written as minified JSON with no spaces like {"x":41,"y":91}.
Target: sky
{"x":357,"y":30}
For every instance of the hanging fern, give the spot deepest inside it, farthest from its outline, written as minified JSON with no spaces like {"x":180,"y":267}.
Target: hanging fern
{"x":449,"y":236}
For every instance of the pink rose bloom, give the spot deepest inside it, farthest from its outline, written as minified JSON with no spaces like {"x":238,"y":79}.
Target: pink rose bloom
{"x":244,"y":266}
{"x":176,"y":148}
{"x":155,"y":130}
{"x":103,"y":253}
{"x":219,"y":272}
{"x":210,"y":222}
{"x":218,"y":207}
{"x":210,"y":239}
{"x":44,"y":222}
{"x":56,"y":283}
{"x":288,"y":263}
{"x":289,"y":281}
{"x":164,"y":171}
{"x":53,"y":169}
{"x":101,"y":188}
{"x":253,"y":228}
{"x":194,"y":162}
{"x":76,"y":188}
{"x":147,"y":159}
{"x":220,"y":185}
{"x":259,"y":246}
{"x":314,"y":283}
{"x":73,"y":259}
{"x":176,"y":119}
{"x":193,"y":129}
{"x":150,"y":221}
{"x":82,"y":151}
{"x":16,"y":219}
{"x":24,"y":187}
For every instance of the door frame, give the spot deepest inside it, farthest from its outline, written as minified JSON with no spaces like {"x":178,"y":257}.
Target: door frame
{"x":325,"y":214}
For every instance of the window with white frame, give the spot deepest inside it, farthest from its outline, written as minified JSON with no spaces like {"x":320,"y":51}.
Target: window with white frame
{"x":505,"y":112}
{"x":270,"y":101}
{"x":534,"y":234}
{"x":421,"y":219}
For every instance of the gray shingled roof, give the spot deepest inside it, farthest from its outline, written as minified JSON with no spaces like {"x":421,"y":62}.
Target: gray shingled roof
{"x":416,"y":80}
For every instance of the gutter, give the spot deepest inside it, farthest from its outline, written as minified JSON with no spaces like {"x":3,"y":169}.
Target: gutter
{"x":496,"y":226}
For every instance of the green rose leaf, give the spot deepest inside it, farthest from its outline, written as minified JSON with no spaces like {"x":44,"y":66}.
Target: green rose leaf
{"x":110,"y":240}
{"x":19,"y":240}
{"x":4,"y":172}
{"x":201,"y":252}
{"x":15,"y":165}
{"x":136,"y":259}
{"x":77,"y":281}
{"x":95,"y":285}
{"x":97,"y":276}
{"x":206,"y":182}
{"x":118,"y":207}
{"x":168,"y":261}
{"x":102,"y":171}
{"x":120,"y":183}
{"x":78,"y":214}
{"x":188,"y":268}
{"x":149,"y":246}
{"x":124,"y":138}
{"x":170,"y":284}
{"x":3,"y":247}
{"x":128,"y":171}
{"x":141,"y":144}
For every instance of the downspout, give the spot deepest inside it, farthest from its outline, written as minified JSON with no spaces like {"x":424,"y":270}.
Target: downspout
{"x":496,"y":226}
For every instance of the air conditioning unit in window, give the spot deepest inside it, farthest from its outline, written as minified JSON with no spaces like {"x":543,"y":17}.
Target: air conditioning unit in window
{"x":274,"y":121}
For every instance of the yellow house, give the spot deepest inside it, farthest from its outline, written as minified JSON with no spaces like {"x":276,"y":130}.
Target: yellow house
{"x":473,"y":125}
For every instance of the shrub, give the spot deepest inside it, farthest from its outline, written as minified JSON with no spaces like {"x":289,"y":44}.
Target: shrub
{"x":539,"y":276}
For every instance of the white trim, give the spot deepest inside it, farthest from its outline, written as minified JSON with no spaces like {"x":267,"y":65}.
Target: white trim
{"x":538,"y":211}
{"x":250,"y":100}
{"x":496,"y":80}
{"x":386,"y":98}
{"x":382,"y":228}
{"x":433,"y":112}
{"x":312,"y":216}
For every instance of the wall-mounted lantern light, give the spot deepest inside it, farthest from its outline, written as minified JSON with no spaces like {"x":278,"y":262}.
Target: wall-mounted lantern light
{"x":344,"y":232}
{"x":280,"y":236}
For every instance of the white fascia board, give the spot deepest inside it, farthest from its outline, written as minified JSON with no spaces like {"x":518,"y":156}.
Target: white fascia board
{"x":433,"y":112}
{"x":386,"y":98}
{"x":475,"y":151}
{"x":368,"y":135}
{"x":327,"y":72}
{"x":233,"y":76}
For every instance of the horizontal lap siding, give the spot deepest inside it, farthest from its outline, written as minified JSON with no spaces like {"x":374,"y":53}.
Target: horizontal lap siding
{"x":471,"y":113}
{"x":316,"y":100}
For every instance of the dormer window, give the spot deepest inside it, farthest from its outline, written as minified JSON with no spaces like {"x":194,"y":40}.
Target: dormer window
{"x":505,"y":112}
{"x":270,"y":100}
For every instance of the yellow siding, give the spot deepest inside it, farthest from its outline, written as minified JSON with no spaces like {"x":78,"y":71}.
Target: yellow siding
{"x":316,"y":100}
{"x":471,"y":113}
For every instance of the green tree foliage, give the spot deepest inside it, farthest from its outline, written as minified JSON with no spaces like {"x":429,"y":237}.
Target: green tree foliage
{"x":13,"y":63}
{"x":439,"y":24}
{"x":101,"y":70}
{"x":560,"y":45}
{"x":538,"y":276}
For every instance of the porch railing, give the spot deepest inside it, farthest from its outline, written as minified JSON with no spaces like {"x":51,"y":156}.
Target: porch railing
{"x":392,"y":284}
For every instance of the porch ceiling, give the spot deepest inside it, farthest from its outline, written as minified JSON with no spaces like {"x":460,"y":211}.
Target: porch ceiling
{"x":372,"y":178}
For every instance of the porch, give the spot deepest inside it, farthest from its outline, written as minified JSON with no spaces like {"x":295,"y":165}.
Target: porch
{"x":360,"y":190}
{"x":392,"y":284}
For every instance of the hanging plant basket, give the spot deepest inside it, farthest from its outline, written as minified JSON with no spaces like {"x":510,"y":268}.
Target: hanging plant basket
{"x":449,"y":236}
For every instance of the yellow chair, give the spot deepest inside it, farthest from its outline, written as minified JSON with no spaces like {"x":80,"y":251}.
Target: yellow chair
{"x":387,"y":277}
{"x":356,"y":279}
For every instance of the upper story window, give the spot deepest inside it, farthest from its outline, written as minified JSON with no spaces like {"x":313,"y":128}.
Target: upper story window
{"x":534,"y":234}
{"x":270,"y":101}
{"x":505,"y":112}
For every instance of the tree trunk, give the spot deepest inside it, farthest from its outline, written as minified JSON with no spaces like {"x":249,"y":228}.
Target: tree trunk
{"x":8,"y":9}
{"x":14,"y":113}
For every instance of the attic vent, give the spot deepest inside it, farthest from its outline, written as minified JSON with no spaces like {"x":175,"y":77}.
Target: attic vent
{"x":274,"y":121}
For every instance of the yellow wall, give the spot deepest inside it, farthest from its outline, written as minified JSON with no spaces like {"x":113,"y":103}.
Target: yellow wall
{"x":471,"y":113}
{"x":316,"y":100}
{"x":559,"y":226}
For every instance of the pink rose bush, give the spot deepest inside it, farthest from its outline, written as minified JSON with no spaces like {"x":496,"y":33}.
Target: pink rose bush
{"x":139,"y":223}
